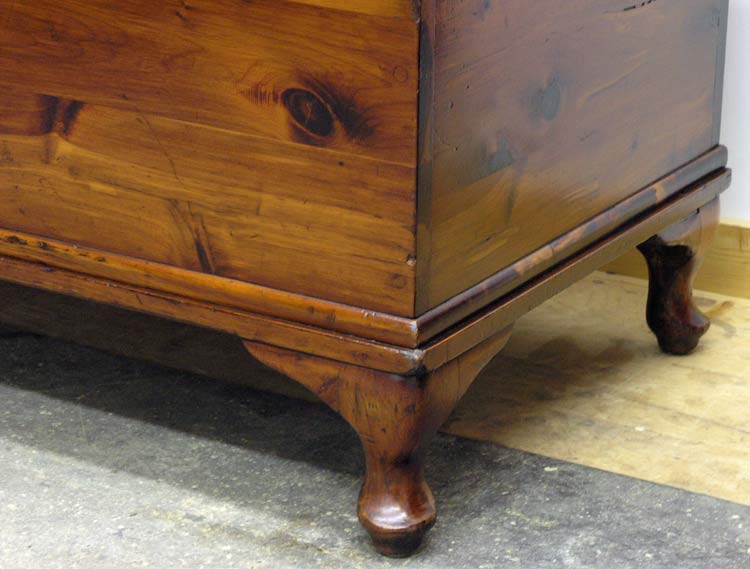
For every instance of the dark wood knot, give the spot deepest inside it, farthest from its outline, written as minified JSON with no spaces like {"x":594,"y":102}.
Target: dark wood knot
{"x":309,"y":112}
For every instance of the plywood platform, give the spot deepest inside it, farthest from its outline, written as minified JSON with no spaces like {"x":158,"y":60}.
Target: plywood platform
{"x":593,"y":388}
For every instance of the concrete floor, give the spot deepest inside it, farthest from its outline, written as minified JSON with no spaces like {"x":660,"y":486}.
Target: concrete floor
{"x":108,"y":462}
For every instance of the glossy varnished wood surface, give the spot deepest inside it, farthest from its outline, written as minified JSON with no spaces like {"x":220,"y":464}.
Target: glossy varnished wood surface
{"x":299,"y":175}
{"x":565,"y":246}
{"x":341,"y":318}
{"x":674,"y":257}
{"x":536,"y":116}
{"x":523,"y":299}
{"x":271,"y":142}
{"x":380,"y":356}
{"x":368,"y":194}
{"x":266,"y":220}
{"x":245,"y":324}
{"x":211,"y":288}
{"x":395,"y":8}
{"x":394,"y":416}
{"x":224,"y":63}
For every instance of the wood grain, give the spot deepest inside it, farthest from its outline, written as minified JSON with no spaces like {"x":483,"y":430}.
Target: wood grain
{"x":394,"y":416}
{"x":524,"y":299}
{"x":377,"y":326}
{"x":568,"y":244}
{"x":535,"y":117}
{"x":285,"y":215}
{"x":210,"y":288}
{"x":283,"y":162}
{"x":224,"y":63}
{"x":210,"y":182}
{"x":248,"y":325}
{"x":368,"y":194}
{"x":592,"y":387}
{"x":594,"y":378}
{"x":396,"y":8}
{"x":360,"y":351}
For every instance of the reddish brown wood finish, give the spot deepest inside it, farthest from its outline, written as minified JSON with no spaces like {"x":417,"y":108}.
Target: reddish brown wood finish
{"x":447,"y":345}
{"x":569,"y":244}
{"x":674,"y":257}
{"x":233,"y":293}
{"x":537,"y":116}
{"x":272,"y":142}
{"x":524,"y":298}
{"x":367,"y":192}
{"x":394,"y":416}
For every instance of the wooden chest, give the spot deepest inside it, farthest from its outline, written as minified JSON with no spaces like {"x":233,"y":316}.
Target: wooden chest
{"x":368,"y":192}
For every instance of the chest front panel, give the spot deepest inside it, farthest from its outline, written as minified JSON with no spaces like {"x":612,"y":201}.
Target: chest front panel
{"x":271,"y":142}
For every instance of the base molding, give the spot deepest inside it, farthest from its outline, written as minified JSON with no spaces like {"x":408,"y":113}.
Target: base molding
{"x":726,"y":268}
{"x":438,"y":342}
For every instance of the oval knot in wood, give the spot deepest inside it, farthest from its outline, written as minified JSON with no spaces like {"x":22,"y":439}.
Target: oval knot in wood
{"x":309,"y":112}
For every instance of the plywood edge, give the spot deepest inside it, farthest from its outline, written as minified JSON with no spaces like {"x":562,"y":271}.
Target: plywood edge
{"x":725,"y":270}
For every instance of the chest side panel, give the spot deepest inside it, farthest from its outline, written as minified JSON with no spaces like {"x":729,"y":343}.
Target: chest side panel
{"x":272,"y":142}
{"x":537,"y":116}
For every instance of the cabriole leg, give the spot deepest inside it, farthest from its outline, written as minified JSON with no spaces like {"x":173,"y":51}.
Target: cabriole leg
{"x":674,"y":257}
{"x":394,"y":417}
